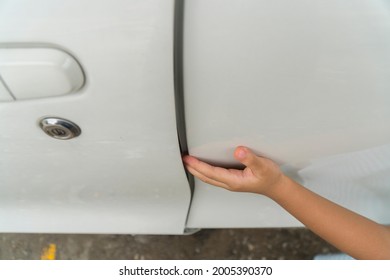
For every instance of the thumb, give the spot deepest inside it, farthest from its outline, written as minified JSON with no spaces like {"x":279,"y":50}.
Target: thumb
{"x":248,"y":158}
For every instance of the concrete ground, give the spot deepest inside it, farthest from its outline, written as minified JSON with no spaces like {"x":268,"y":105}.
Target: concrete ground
{"x":206,"y":244}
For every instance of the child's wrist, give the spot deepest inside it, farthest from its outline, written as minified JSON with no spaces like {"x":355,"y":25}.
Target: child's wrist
{"x":279,"y":187}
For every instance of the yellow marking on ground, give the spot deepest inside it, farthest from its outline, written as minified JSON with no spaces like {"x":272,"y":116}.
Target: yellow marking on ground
{"x":49,"y":252}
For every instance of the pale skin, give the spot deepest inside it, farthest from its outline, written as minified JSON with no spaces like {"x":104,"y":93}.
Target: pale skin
{"x":350,"y":232}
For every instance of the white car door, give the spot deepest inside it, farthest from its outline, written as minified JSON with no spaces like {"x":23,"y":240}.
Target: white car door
{"x":123,"y":173}
{"x":305,"y":83}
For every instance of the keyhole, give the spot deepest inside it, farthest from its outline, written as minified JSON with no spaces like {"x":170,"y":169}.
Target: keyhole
{"x":58,"y":132}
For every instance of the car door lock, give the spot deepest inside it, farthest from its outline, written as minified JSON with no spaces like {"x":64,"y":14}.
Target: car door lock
{"x":59,"y":128}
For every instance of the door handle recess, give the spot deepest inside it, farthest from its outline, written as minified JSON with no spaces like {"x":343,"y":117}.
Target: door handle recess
{"x":29,"y":73}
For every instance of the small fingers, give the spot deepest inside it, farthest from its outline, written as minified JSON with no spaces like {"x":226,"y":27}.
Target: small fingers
{"x":218,"y":174}
{"x":205,"y":179}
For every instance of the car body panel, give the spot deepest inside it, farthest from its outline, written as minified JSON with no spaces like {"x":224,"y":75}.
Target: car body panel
{"x":124,"y":173}
{"x":305,"y":83}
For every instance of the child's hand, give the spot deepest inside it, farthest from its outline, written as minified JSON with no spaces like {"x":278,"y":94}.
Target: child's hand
{"x":357,"y":236}
{"x":261,"y":175}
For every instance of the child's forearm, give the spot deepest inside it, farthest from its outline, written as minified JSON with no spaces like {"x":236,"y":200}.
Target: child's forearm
{"x":357,"y":236}
{"x":348,"y":231}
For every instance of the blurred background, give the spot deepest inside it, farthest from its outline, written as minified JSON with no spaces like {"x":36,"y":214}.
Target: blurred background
{"x":274,"y":244}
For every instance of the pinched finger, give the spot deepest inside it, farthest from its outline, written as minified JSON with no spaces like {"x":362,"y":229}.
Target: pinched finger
{"x":205,"y":179}
{"x":218,"y":174}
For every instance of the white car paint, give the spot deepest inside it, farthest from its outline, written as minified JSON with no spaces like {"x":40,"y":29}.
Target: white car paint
{"x":302,"y":82}
{"x":124,"y":173}
{"x":305,"y":83}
